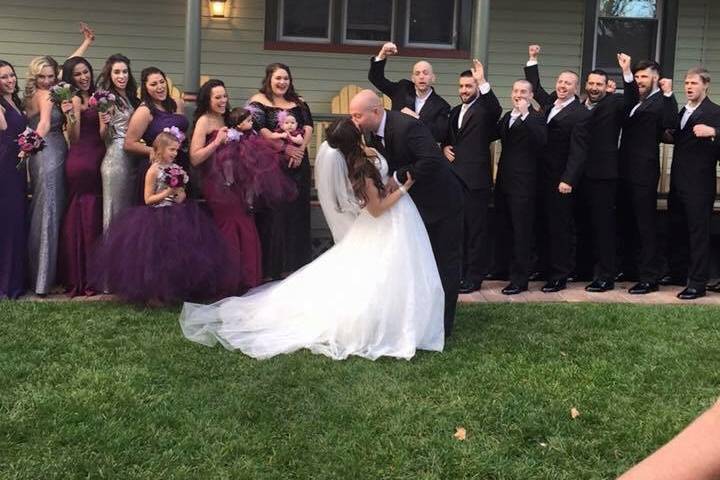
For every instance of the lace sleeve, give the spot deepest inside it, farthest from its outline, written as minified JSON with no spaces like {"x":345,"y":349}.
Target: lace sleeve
{"x":259,"y":115}
{"x":307,"y":119}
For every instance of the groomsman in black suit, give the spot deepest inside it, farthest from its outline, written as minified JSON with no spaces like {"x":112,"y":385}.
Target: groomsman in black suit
{"x":409,"y":148}
{"x":642,"y":133}
{"x":467,"y":148}
{"x":523,"y":134}
{"x":598,"y":188}
{"x":561,"y":169}
{"x":692,"y":184}
{"x":415,"y":97}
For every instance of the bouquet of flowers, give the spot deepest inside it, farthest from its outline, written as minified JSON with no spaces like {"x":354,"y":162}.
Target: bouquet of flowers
{"x":174,"y":176}
{"x":61,"y":92}
{"x":30,"y":142}
{"x":102,"y":100}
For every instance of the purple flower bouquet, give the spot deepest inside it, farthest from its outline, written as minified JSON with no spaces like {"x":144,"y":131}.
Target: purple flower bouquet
{"x":30,"y":142}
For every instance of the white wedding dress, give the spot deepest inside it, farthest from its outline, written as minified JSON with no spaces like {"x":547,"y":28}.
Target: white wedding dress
{"x":376,"y":293}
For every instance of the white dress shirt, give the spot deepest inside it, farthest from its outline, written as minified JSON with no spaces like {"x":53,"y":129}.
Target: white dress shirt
{"x":420,"y":101}
{"x":559,"y":105}
{"x":514,"y":115}
{"x":689,"y":110}
{"x":482,"y":90}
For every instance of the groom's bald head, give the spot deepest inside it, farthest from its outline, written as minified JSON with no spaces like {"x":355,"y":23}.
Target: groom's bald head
{"x":366,"y":110}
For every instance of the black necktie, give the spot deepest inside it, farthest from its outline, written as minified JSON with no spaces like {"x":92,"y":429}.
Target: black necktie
{"x":376,"y":141}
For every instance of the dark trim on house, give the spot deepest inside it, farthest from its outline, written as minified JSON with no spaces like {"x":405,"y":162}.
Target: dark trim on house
{"x":667,"y":26}
{"x":365,"y":49}
{"x":669,"y":37}
{"x":464,"y":26}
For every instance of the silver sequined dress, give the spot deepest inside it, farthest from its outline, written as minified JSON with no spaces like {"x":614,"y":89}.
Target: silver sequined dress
{"x":47,"y":182}
{"x":118,"y":168}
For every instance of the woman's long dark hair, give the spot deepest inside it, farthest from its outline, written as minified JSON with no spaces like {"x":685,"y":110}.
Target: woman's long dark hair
{"x":343,"y":135}
{"x":266,"y":89}
{"x":68,"y":77}
{"x":105,"y":82}
{"x":169,"y":105}
{"x":204,"y":97}
{"x":15,"y":94}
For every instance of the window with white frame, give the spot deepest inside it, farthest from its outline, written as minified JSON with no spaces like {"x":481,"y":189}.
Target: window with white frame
{"x":628,"y":26}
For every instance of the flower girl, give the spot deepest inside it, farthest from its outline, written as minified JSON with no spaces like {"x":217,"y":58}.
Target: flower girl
{"x":167,"y":251}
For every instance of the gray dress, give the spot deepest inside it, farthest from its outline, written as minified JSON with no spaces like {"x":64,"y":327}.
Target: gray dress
{"x":47,"y":183}
{"x":118,"y":168}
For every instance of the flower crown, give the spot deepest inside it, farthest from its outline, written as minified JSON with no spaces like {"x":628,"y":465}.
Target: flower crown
{"x":283,"y":115}
{"x":175,"y":132}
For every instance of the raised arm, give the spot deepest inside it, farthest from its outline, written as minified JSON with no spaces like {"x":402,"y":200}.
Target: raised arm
{"x":492,"y":109}
{"x":532,"y":75}
{"x":376,"y":75}
{"x":631,"y":94}
{"x":88,"y":39}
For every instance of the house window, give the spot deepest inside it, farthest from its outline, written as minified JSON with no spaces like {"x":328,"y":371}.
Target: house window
{"x":431,"y":23}
{"x":411,"y":24}
{"x":628,"y":26}
{"x":368,"y":25}
{"x":306,"y":20}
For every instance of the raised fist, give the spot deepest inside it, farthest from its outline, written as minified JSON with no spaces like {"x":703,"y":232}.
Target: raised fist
{"x":387,"y":50}
{"x":624,"y":61}
{"x":534,"y":52}
{"x":665,"y":85}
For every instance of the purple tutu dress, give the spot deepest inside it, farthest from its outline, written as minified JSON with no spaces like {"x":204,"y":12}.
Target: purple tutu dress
{"x":253,"y":166}
{"x":165,"y":253}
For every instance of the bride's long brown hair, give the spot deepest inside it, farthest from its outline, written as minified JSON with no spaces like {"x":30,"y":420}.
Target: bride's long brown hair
{"x":343,"y":135}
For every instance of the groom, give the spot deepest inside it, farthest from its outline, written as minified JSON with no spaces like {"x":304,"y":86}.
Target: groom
{"x":409,"y":148}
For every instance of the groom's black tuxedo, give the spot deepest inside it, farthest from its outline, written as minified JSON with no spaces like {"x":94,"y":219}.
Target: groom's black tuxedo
{"x":438,"y":193}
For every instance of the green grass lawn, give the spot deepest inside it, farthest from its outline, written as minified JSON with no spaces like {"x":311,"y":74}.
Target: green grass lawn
{"x":100,"y":390}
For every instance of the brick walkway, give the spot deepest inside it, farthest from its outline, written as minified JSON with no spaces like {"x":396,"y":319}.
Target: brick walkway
{"x":490,"y":293}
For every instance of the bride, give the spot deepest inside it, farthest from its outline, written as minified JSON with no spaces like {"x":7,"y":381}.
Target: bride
{"x":376,"y":293}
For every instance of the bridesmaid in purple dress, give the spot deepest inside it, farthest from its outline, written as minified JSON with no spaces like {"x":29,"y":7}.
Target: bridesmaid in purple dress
{"x":82,"y":223}
{"x":157,"y":112}
{"x":226,"y":201}
{"x":13,"y":235}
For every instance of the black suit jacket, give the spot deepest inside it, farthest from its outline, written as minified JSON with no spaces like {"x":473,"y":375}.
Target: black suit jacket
{"x":520,"y":154}
{"x":410,"y":148}
{"x":565,"y":153}
{"x":607,"y":120}
{"x":434,"y":113}
{"x":641,"y":136}
{"x":694,"y":159}
{"x":471,"y":142}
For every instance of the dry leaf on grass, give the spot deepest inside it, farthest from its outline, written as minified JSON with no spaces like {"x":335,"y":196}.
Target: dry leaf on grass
{"x":460,"y":433}
{"x":574,"y":413}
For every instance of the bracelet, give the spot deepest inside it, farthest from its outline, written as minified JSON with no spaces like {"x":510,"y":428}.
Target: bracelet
{"x":402,"y":189}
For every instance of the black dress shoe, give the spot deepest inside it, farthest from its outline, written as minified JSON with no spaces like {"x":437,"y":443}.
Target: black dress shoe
{"x":535,"y":276}
{"x":691,"y":293}
{"x":554,"y":286}
{"x":714,"y":287}
{"x":672,"y":280}
{"x":467,"y":286}
{"x":642,"y":288}
{"x":599,"y":286}
{"x":514,"y":289}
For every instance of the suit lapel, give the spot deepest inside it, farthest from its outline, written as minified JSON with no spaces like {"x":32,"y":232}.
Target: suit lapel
{"x":566,"y":111}
{"x":467,"y":116}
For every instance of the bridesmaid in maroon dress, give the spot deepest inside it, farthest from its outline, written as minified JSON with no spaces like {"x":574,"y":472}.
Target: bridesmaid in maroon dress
{"x":13,"y":233}
{"x":82,"y":223}
{"x":157,"y":112}
{"x":226,"y":201}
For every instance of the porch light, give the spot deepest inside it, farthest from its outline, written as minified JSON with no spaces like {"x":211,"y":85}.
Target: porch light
{"x":218,"y":8}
